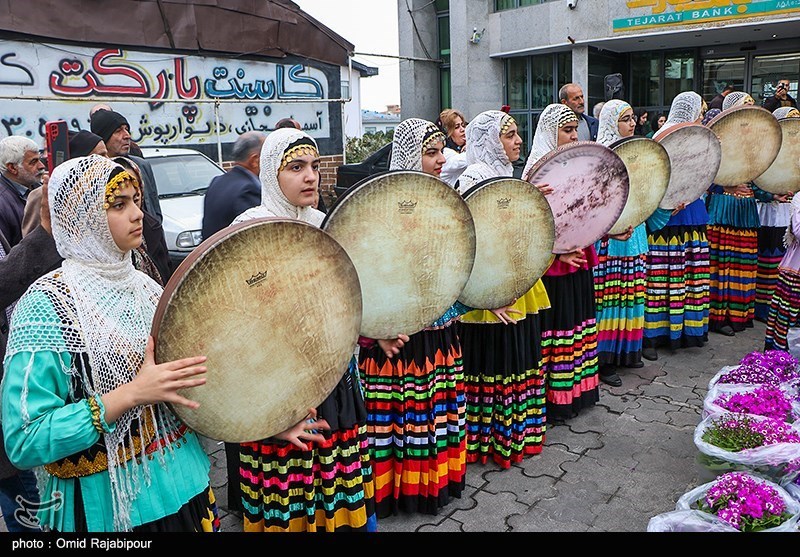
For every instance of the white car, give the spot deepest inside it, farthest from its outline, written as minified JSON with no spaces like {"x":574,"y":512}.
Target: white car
{"x":182,"y":177}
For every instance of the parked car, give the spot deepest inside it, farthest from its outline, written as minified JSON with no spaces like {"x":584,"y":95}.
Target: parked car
{"x":348,"y":175}
{"x":182,"y":177}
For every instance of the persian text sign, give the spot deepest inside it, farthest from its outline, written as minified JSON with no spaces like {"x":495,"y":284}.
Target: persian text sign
{"x":69,"y":79}
{"x":684,"y":12}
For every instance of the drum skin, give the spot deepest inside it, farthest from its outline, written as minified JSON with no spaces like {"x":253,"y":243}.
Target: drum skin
{"x":783,"y":175}
{"x":515,"y":233}
{"x":590,"y":188}
{"x":694,"y":156}
{"x":412,"y":240}
{"x":648,"y":168}
{"x":751,"y":139}
{"x":275,"y":305}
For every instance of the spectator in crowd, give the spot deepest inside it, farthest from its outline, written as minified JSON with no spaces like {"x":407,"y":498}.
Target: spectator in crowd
{"x":571,"y":95}
{"x":596,"y":110}
{"x":454,"y":126}
{"x":717,"y":101}
{"x":21,"y":171}
{"x":781,"y":97}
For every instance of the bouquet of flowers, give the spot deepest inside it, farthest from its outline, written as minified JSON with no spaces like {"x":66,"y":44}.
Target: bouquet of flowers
{"x":773,"y":367}
{"x":748,"y":442}
{"x":734,"y":502}
{"x":777,"y":402}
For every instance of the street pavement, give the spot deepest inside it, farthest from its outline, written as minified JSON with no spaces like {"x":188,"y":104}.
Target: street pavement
{"x":611,"y":469}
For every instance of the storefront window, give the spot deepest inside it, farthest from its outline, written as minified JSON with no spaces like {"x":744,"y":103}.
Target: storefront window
{"x":768,"y":70}
{"x":645,"y":78}
{"x":445,"y":89}
{"x":542,"y":91}
{"x":719,"y":72}
{"x":444,"y":39}
{"x":517,"y":82}
{"x":678,"y":74}
{"x":500,"y":5}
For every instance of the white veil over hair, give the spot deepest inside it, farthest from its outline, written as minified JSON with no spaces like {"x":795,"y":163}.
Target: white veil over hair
{"x":736,"y":98}
{"x":411,"y":138}
{"x":486,"y":156}
{"x":273,"y":202}
{"x":686,"y":107}
{"x":608,"y":131}
{"x":98,"y":305}
{"x":553,"y":117}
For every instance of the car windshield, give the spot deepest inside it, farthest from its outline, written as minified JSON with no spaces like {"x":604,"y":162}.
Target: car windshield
{"x":183,"y":174}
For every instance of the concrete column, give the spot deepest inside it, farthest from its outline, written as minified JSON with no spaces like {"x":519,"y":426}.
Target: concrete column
{"x":580,"y":68}
{"x":419,"y":80}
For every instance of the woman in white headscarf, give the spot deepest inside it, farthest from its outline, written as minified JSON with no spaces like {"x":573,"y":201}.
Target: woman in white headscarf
{"x":773,"y":218}
{"x":569,"y":328}
{"x":733,"y":223}
{"x":502,"y":358}
{"x":619,"y":277}
{"x":300,"y":480}
{"x":676,"y":298}
{"x":414,"y":389}
{"x":82,"y":396}
{"x":784,"y":307}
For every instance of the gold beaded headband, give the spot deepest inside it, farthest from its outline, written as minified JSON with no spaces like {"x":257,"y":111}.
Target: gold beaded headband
{"x":623,"y":108}
{"x":432,"y":135}
{"x":115,"y":184}
{"x":295,"y":151}
{"x":506,"y":123}
{"x":566,"y":117}
{"x":793,"y":113}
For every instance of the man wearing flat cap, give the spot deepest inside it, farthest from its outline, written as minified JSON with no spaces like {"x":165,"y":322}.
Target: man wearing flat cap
{"x":114,"y":130}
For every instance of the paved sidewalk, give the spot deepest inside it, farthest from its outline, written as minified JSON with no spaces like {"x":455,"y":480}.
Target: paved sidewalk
{"x":610,"y":469}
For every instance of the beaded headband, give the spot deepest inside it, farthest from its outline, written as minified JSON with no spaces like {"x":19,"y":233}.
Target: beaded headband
{"x":299,"y":148}
{"x":793,"y":113}
{"x":624,"y":108}
{"x":506,"y":123}
{"x":432,"y":135}
{"x":566,"y":117}
{"x":117,"y":183}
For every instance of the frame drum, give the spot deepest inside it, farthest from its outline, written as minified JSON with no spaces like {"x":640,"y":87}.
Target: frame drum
{"x":412,"y":240}
{"x":783,"y":175}
{"x":590,"y":188}
{"x":694,"y":156}
{"x":514,"y":232}
{"x":275,"y":305}
{"x":648,"y":168}
{"x":751,"y":138}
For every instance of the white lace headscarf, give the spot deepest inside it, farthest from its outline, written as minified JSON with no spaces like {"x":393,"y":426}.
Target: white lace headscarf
{"x":273,"y":201}
{"x":786,"y":112}
{"x":686,"y":107}
{"x":736,"y":98}
{"x":610,"y":114}
{"x":553,"y":117}
{"x":96,"y":304}
{"x":411,"y":138}
{"x":486,"y":156}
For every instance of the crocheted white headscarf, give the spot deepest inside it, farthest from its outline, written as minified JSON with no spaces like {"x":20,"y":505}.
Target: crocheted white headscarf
{"x":610,"y":114}
{"x":553,"y":117}
{"x":686,"y":107}
{"x":486,"y":156}
{"x":104,"y":308}
{"x":273,"y":201}
{"x":786,"y":112}
{"x":411,"y":138}
{"x":736,"y":98}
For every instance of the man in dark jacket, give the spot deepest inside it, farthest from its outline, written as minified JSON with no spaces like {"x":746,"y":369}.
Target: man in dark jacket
{"x":717,"y":101}
{"x":571,"y":95}
{"x":236,"y":191}
{"x":21,"y":171}
{"x":20,"y":266}
{"x":780,"y":98}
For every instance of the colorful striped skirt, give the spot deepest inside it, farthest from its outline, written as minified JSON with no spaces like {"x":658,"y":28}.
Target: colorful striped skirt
{"x":327,"y":488}
{"x":676,"y":297}
{"x":784,"y":310}
{"x":505,"y":390}
{"x":770,"y":253}
{"x":619,"y":287}
{"x":569,"y":345}
{"x":416,"y":410}
{"x":733,"y":258}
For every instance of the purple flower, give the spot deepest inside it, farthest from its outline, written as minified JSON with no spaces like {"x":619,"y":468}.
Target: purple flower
{"x":745,"y":502}
{"x":765,"y":400}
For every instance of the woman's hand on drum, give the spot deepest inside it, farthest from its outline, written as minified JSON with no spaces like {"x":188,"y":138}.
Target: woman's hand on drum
{"x":156,"y":383}
{"x":678,"y":209}
{"x":623,"y":236}
{"x":546,"y":189}
{"x":305,"y":430}
{"x":504,"y":313}
{"x":391,"y":346}
{"x":783,"y":198}
{"x":573,"y":258}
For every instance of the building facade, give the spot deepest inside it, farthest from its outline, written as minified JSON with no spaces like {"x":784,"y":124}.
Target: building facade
{"x":476,"y":55}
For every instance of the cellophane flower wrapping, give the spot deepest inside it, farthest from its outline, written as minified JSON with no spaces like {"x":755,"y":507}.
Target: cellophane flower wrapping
{"x":733,"y":502}
{"x":749,"y":442}
{"x":771,"y":367}
{"x":779,"y":402}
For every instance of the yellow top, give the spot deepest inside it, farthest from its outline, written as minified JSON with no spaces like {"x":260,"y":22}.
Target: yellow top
{"x":531,"y":302}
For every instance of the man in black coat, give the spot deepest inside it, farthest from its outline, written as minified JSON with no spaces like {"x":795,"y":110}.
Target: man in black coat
{"x":236,"y":191}
{"x":20,"y":266}
{"x":780,"y":98}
